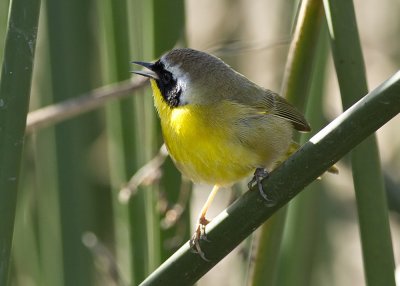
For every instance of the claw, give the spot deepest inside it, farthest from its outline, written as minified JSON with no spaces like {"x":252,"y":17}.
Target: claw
{"x":199,"y":234}
{"x":259,"y":175}
{"x":252,"y":181}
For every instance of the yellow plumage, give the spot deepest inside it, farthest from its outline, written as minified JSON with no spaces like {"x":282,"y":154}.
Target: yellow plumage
{"x":213,"y":143}
{"x":219,"y":127}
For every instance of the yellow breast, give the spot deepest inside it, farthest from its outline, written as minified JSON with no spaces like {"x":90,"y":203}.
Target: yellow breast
{"x":204,"y":144}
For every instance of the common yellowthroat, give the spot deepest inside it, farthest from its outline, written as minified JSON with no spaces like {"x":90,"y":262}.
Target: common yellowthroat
{"x":219,"y":127}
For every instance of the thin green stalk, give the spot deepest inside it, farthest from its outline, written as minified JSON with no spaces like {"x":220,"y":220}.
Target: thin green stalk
{"x":268,"y":250}
{"x":296,"y":82}
{"x":15,"y":85}
{"x":303,"y":221}
{"x":45,"y":172}
{"x":238,"y":221}
{"x":49,"y":229}
{"x":25,"y":254}
{"x":3,"y":25}
{"x":144,"y":217}
{"x":168,"y":31}
{"x":367,"y":174}
{"x":120,"y":133}
{"x":296,"y":85}
{"x":71,"y":61}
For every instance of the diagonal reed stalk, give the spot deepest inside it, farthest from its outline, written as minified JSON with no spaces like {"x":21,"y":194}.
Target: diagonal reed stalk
{"x":244,"y":216}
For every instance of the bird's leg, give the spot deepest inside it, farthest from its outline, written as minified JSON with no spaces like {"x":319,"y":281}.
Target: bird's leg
{"x":259,"y":175}
{"x":200,"y":232}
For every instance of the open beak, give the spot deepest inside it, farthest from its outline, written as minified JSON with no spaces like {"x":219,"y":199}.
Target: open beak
{"x":150,"y":73}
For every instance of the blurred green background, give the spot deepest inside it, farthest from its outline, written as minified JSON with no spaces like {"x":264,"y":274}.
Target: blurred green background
{"x":71,"y":227}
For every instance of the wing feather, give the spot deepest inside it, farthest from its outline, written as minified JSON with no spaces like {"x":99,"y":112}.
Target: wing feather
{"x":285,"y":110}
{"x":265,"y":101}
{"x":271,"y":103}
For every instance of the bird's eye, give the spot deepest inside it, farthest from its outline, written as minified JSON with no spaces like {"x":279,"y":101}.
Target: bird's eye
{"x":167,"y":78}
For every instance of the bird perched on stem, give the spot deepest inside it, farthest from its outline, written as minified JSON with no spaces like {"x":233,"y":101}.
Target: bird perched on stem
{"x":219,"y":127}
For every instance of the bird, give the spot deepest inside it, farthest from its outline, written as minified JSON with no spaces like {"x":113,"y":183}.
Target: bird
{"x":219,"y":127}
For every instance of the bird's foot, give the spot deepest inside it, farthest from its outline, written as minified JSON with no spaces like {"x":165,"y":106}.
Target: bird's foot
{"x":199,"y":234}
{"x":259,"y":175}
